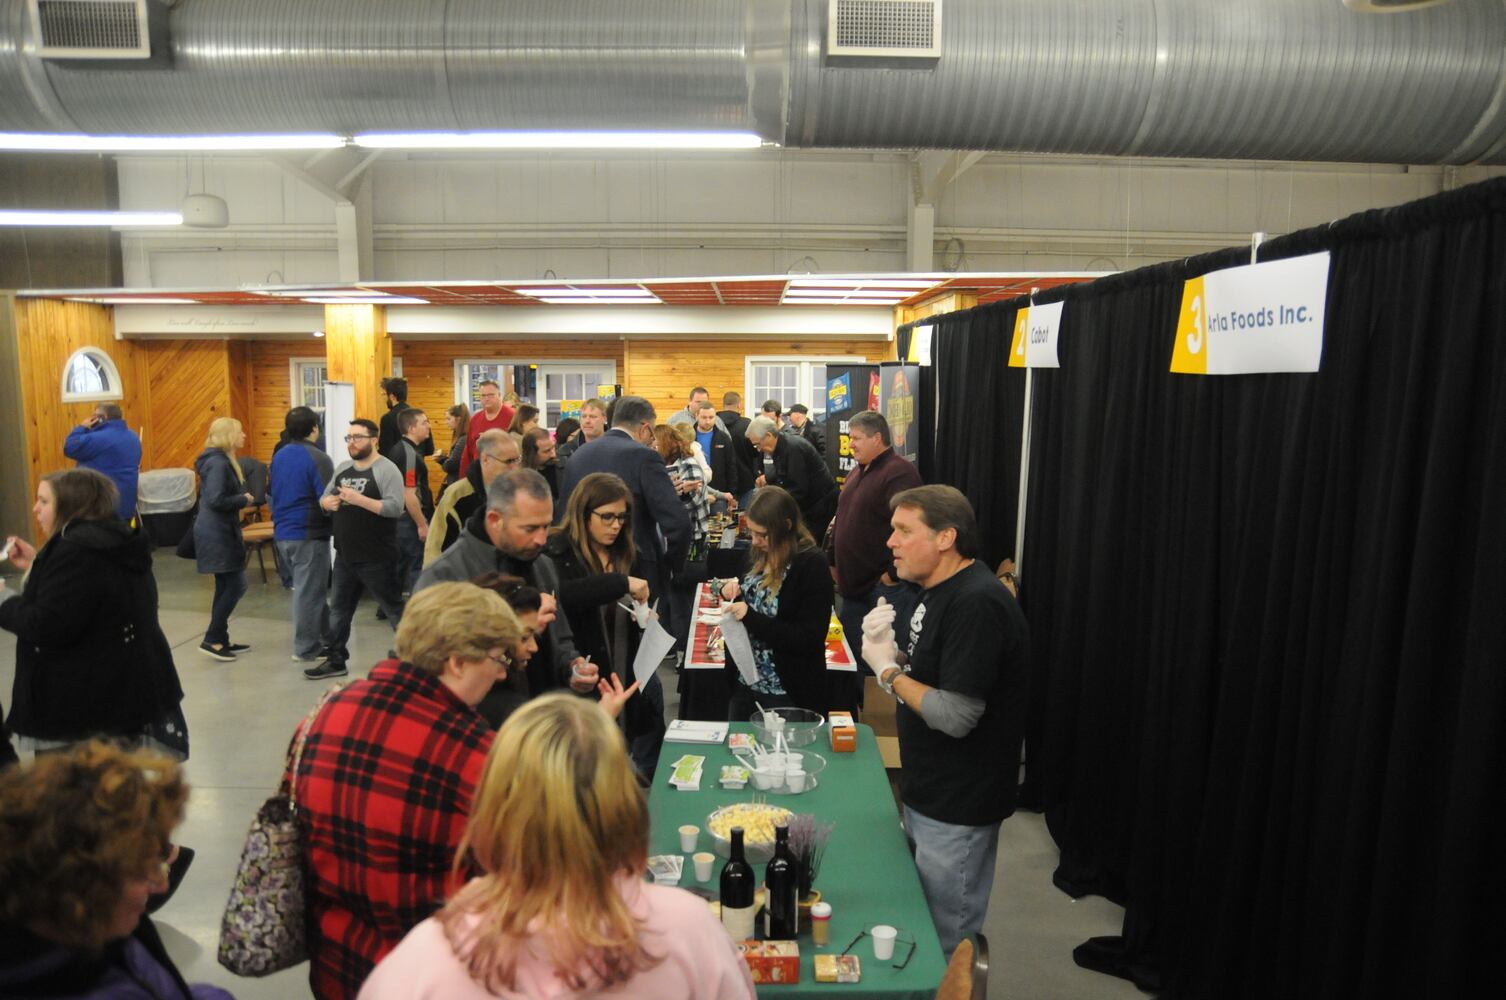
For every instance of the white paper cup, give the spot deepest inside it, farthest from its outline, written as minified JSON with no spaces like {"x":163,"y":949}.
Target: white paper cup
{"x":795,"y":778}
{"x":763,"y":780}
{"x":703,"y":862}
{"x":883,"y":942}
{"x":688,"y":835}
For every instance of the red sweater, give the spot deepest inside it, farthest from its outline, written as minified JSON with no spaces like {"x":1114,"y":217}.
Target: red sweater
{"x":384,"y":790}
{"x":480,"y":424}
{"x":862,"y":528}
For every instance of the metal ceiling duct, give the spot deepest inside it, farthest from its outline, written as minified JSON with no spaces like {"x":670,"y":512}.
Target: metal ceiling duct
{"x":1273,"y":79}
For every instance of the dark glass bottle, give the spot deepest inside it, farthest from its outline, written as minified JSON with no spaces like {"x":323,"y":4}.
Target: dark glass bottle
{"x":782,"y":879}
{"x":738,"y":891}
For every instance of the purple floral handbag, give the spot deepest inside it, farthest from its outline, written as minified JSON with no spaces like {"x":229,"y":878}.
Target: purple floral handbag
{"x":265,"y":927}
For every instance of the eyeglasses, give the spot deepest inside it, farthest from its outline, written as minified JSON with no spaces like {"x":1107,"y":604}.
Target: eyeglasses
{"x":501,"y":661}
{"x":515,"y":460}
{"x":352,"y":438}
{"x":612,"y":518}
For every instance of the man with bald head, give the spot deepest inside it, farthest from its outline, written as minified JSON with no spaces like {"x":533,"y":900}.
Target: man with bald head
{"x":497,"y":452}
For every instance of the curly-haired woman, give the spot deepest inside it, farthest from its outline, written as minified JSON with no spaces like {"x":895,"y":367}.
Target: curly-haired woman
{"x":84,"y":841}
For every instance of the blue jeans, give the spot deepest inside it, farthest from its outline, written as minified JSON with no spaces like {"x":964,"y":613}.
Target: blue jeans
{"x":307,"y":562}
{"x":345,"y":593}
{"x":904,"y":596}
{"x":410,"y":554}
{"x":956,"y":866}
{"x":229,"y":588}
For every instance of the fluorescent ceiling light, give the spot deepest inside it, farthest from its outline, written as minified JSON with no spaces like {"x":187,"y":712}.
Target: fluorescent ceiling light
{"x":370,"y":300}
{"x":874,"y":282}
{"x":618,"y":293}
{"x":851,"y":293}
{"x":64,"y":143}
{"x":600,"y":302}
{"x":325,"y":293}
{"x":830,"y":302}
{"x":559,"y":140}
{"x":115,"y":301}
{"x":39,"y":218}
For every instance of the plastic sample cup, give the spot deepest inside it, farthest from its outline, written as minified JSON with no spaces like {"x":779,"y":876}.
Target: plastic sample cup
{"x":703,"y":862}
{"x":883,"y":942}
{"x":795,"y":777}
{"x":688,"y":835}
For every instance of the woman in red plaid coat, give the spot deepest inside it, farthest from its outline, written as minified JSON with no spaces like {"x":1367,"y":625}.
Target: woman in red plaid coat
{"x":387,"y":777}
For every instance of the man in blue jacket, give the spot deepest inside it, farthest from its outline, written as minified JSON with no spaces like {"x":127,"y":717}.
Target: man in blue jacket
{"x":300,"y":472}
{"x":105,"y":444}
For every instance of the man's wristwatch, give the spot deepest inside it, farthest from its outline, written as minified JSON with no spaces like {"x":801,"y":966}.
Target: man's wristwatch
{"x":888,"y":677}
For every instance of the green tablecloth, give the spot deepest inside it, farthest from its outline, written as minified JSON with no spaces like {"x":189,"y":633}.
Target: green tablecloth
{"x":867,"y":875}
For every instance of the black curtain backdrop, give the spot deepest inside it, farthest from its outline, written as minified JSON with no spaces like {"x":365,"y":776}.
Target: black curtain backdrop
{"x":973,"y":441}
{"x":1268,"y":621}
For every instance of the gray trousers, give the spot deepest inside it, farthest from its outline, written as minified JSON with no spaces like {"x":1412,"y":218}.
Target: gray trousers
{"x":308,"y":561}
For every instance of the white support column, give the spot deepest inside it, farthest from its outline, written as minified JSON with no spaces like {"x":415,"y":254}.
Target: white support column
{"x":930,"y":173}
{"x":920,"y":238}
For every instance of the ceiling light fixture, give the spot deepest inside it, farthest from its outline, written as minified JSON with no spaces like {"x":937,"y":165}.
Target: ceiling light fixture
{"x":618,"y":293}
{"x":558,"y":140}
{"x":49,"y":218}
{"x":873,"y":282}
{"x":833,"y":302}
{"x":853,"y":293}
{"x":370,"y":300}
{"x":28,"y":142}
{"x":604,"y":301}
{"x":118,"y":301}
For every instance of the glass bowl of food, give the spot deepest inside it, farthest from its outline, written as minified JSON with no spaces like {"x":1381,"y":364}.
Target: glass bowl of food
{"x":757,"y":819}
{"x":800,"y":726}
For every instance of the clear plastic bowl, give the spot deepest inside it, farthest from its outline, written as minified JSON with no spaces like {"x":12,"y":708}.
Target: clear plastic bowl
{"x":773,"y":776}
{"x":753,"y":850}
{"x":801,"y":726}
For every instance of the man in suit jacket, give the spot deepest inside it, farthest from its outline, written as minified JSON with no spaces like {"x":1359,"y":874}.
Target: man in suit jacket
{"x":625,"y":451}
{"x":737,"y":428}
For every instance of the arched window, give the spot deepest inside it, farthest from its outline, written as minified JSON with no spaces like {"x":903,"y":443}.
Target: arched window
{"x":89,"y":376}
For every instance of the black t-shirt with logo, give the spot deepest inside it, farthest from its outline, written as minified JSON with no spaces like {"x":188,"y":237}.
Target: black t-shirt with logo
{"x":360,"y":535}
{"x":410,"y":462}
{"x":967,"y":636}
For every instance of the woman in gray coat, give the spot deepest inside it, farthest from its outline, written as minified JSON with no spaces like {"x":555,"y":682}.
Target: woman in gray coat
{"x":218,"y":546}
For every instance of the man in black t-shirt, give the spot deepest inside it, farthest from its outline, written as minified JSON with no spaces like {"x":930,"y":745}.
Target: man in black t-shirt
{"x":418,"y":501}
{"x":365,"y":497}
{"x":959,"y":673}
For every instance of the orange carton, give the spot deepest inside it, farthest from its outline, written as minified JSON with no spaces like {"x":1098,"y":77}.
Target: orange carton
{"x":772,"y":962}
{"x":844,"y":735}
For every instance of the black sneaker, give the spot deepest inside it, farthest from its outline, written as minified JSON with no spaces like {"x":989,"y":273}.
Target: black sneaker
{"x":236,"y":647}
{"x":381,"y":614}
{"x":329,"y":668}
{"x":221,"y":653}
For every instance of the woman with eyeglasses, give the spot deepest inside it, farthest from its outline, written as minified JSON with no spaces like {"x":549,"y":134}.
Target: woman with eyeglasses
{"x":785,"y":603}
{"x":84,"y":844}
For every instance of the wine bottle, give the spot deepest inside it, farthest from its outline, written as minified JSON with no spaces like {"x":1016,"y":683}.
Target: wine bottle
{"x":782,"y":880}
{"x":738,"y":889}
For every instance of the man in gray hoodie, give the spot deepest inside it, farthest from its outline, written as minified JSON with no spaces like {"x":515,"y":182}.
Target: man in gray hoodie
{"x":507,"y":536}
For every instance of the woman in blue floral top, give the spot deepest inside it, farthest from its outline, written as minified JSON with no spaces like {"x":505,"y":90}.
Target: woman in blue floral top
{"x":785,"y":604}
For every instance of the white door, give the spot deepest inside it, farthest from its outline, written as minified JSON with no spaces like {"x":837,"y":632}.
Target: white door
{"x":562,"y":387}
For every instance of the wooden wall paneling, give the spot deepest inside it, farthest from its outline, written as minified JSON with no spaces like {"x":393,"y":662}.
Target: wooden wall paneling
{"x":359,"y":352}
{"x":15,"y":468}
{"x":238,"y":375}
{"x":191,"y":387}
{"x":429,"y":367}
{"x":271,"y":389}
{"x":665,"y":371}
{"x":47,"y":334}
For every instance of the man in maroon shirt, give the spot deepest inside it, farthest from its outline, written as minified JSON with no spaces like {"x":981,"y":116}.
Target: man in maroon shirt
{"x":493,"y":414}
{"x":858,"y":549}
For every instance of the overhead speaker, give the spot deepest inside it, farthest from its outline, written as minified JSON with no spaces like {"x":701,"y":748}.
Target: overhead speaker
{"x":205,"y":211}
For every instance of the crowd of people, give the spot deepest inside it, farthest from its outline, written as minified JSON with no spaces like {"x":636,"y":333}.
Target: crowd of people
{"x":449,"y":843}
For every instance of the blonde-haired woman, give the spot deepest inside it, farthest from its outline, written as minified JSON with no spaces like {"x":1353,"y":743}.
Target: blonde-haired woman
{"x":218,"y":546}
{"x":559,"y":833}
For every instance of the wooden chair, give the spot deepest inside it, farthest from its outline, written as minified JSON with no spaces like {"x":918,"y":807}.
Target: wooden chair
{"x":258,"y":538}
{"x":967,"y":973}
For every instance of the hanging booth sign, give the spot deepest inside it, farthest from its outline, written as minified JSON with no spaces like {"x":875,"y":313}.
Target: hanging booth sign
{"x":847,"y":392}
{"x":1256,"y":318}
{"x":898,"y":383}
{"x":1036,"y":329}
{"x":571,"y":408}
{"x":920,"y":345}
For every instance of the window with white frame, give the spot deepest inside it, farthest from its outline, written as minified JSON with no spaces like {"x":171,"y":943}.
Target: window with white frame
{"x":306,"y":378}
{"x":89,"y":376}
{"x":790,"y":380}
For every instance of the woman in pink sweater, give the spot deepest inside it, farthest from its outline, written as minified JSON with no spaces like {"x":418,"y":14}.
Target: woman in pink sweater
{"x":559,"y":831}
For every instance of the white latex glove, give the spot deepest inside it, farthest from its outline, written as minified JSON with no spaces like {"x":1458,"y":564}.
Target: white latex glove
{"x":879,"y":623}
{"x":642,"y":613}
{"x":880,"y":654}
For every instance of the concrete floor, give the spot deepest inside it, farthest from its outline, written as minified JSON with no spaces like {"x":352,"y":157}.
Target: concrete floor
{"x":241,"y":716}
